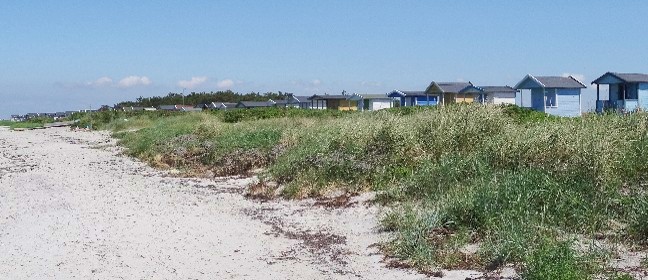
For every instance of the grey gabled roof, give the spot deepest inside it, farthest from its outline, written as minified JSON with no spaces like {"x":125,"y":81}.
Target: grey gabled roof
{"x":300,"y":98}
{"x":250,"y":104}
{"x":328,"y":96}
{"x":626,"y":77}
{"x":410,"y":93}
{"x":633,"y":77}
{"x":357,"y":97}
{"x":283,"y":102}
{"x":551,"y":82}
{"x":167,"y":107}
{"x":448,"y":87}
{"x":373,"y":96}
{"x":490,"y":89}
{"x":560,"y":82}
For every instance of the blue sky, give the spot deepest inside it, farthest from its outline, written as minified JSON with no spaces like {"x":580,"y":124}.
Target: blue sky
{"x":63,"y":55}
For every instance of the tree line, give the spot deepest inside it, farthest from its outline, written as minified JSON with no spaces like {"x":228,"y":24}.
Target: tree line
{"x":195,"y":98}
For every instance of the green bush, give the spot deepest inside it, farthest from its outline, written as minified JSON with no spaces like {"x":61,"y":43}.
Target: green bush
{"x":512,"y":179}
{"x":554,"y":260}
{"x":239,"y":115}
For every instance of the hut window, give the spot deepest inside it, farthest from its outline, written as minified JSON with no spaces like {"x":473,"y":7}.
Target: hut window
{"x":550,"y":98}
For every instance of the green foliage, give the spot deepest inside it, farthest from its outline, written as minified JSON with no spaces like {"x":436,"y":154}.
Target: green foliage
{"x":31,"y":123}
{"x":513,"y":180}
{"x":239,"y":115}
{"x":638,"y":227}
{"x":554,"y":260}
{"x":195,"y":98}
{"x":526,"y":115}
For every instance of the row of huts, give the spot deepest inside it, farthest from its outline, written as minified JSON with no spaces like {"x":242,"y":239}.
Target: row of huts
{"x":556,"y":95}
{"x":55,"y":116}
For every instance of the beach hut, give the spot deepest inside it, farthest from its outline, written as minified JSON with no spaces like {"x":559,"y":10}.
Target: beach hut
{"x":221,"y":105}
{"x":413,"y":98}
{"x":371,"y":102}
{"x":254,"y":104}
{"x":300,"y":101}
{"x":555,"y":95}
{"x":454,"y":92}
{"x":626,"y":92}
{"x":497,"y":95}
{"x":333,"y":102}
{"x":284,"y":103}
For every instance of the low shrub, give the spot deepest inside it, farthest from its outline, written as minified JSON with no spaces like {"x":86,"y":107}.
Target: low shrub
{"x":511,"y":180}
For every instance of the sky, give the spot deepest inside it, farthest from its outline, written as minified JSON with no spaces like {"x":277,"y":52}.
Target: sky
{"x":68,"y":55}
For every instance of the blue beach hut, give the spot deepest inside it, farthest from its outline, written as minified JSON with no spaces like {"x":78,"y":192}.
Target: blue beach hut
{"x":555,"y":95}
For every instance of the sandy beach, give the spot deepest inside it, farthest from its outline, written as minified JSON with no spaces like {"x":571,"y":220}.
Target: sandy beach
{"x":74,"y":207}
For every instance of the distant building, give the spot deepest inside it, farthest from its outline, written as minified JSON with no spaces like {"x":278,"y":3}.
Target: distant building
{"x":176,"y":107}
{"x":17,"y":118}
{"x":299,"y":101}
{"x":454,"y":92}
{"x":497,"y":95}
{"x":555,"y":95}
{"x":254,"y":104}
{"x":371,"y":102}
{"x":222,"y":105}
{"x":627,"y":92}
{"x":333,"y":102}
{"x":413,"y":98}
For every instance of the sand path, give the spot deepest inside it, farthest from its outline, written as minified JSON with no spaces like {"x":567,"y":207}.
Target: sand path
{"x":72,"y":207}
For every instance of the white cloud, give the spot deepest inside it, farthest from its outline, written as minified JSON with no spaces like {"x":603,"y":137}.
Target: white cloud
{"x":316,"y":82}
{"x":101,"y":82}
{"x":225,"y":84}
{"x":132,"y":81}
{"x":194,"y":82}
{"x":579,"y":77}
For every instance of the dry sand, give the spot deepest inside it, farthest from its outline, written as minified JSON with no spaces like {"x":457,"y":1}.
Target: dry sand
{"x":71,"y":206}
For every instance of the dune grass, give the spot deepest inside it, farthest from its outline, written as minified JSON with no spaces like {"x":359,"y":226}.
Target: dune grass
{"x":520,"y":186}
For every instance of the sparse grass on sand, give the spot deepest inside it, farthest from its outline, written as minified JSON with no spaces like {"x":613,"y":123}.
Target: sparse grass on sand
{"x":520,"y":187}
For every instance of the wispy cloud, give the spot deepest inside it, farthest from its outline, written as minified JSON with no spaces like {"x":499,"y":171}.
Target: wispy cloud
{"x":108,"y":82}
{"x":101,"y":82}
{"x":225,"y":84}
{"x":133,"y":81}
{"x":194,"y":82}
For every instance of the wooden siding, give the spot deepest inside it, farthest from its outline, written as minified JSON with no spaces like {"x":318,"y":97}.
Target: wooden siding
{"x":458,"y":98}
{"x":567,"y":103}
{"x":614,"y":92}
{"x":342,"y":105}
{"x":643,"y":96}
{"x":408,"y":101}
{"x":377,"y":104}
{"x":466,"y":98}
{"x":449,"y":98}
{"x":423,"y":100}
{"x":537,"y":99}
{"x":501,"y":98}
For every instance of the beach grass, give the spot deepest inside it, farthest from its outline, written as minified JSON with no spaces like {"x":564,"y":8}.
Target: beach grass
{"x":520,"y":186}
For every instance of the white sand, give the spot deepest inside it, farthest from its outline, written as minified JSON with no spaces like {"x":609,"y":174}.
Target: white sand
{"x":72,"y":206}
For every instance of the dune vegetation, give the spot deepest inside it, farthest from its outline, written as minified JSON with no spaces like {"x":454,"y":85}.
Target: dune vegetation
{"x":467,"y":186}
